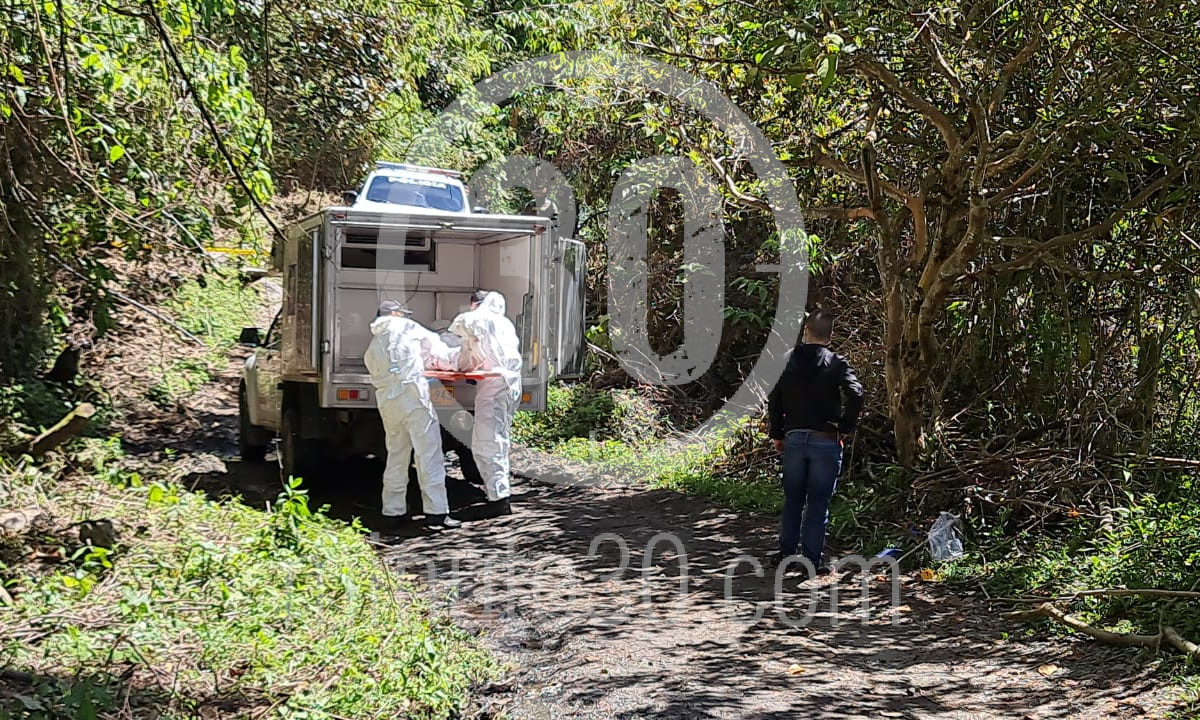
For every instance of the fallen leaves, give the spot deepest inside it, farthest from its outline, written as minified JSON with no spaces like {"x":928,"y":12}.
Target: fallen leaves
{"x":1048,"y":670}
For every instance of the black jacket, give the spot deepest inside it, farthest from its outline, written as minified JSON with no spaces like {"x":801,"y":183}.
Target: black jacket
{"x":809,"y":394}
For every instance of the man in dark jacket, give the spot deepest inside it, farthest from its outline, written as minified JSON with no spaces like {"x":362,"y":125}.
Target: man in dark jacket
{"x":812,"y":408}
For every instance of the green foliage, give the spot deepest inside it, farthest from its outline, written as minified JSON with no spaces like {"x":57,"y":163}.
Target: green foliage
{"x":580,"y":411}
{"x":589,"y":450}
{"x":1148,"y":541}
{"x":107,"y":155}
{"x":214,"y":308}
{"x":29,"y":406}
{"x":286,"y":609}
{"x":571,"y":411}
{"x":346,"y":81}
{"x":756,"y":492}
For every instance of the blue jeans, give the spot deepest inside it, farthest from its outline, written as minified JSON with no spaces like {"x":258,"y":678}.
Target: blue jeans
{"x":810,"y":470}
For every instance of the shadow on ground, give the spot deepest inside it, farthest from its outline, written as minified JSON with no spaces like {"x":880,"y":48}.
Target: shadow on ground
{"x":638,"y":604}
{"x":24,"y":694}
{"x":349,"y":491}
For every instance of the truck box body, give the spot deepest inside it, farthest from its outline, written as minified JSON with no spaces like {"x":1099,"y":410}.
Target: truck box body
{"x":339,"y":264}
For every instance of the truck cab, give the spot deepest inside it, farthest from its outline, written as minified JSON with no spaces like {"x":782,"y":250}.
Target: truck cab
{"x":306,"y":381}
{"x":399,"y":184}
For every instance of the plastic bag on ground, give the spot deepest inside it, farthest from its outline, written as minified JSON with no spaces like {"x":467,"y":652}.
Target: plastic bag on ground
{"x":944,"y":541}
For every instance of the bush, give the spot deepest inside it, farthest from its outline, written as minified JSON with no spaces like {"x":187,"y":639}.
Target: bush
{"x":245,"y":610}
{"x":1149,"y":541}
{"x":580,"y":411}
{"x":29,"y":406}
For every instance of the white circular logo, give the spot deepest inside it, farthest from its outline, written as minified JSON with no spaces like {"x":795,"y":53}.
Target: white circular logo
{"x":703,"y":305}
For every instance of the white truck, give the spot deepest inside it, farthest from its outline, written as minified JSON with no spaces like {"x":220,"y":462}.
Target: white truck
{"x":410,"y":235}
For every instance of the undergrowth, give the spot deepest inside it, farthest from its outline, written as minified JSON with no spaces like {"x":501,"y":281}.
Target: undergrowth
{"x":212,"y":609}
{"x":1148,"y":541}
{"x":575,"y":412}
{"x":31,"y":405}
{"x":213,"y":309}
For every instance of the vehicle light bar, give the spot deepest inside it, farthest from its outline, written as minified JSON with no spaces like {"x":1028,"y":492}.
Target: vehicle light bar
{"x":385,"y":165}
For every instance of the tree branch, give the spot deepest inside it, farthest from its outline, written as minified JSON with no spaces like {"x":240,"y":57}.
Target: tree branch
{"x":1112,"y":592}
{"x":1019,"y":183}
{"x":1010,"y":68}
{"x":820,"y":159}
{"x":983,"y":141}
{"x":1059,"y":70}
{"x":877,"y":71}
{"x":916,"y":205}
{"x":840,"y":213}
{"x":1006,"y":162}
{"x":130,"y":301}
{"x":209,"y":121}
{"x":1168,"y":634}
{"x":692,"y":56}
{"x":731,"y":186}
{"x":1067,"y":239}
{"x":939,"y":61}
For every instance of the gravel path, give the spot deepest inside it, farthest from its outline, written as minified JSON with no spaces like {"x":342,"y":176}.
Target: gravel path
{"x":595,"y":631}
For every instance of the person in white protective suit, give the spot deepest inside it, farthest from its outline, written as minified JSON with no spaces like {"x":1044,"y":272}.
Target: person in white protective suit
{"x":490,"y":344}
{"x":396,"y":358}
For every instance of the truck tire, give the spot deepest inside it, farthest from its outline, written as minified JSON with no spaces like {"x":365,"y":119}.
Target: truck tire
{"x":253,"y":441}
{"x":298,"y":457}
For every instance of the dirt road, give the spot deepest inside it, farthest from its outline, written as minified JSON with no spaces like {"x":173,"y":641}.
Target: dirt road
{"x":598,"y":632}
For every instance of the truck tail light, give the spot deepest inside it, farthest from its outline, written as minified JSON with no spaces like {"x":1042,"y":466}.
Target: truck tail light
{"x":526,"y":397}
{"x":351,"y":394}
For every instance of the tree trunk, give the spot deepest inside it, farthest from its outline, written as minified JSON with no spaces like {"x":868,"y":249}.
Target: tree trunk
{"x":901,"y":372}
{"x":1145,"y":396}
{"x":916,"y":291}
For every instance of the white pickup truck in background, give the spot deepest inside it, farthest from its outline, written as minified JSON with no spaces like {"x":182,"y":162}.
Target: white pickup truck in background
{"x":409,"y":235}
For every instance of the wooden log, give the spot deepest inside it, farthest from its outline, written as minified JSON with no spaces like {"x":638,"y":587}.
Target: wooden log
{"x":67,"y":428}
{"x":1107,"y":592}
{"x":1166,"y":636}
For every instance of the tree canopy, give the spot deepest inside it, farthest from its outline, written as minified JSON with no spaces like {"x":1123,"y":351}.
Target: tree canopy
{"x":1001,"y":196}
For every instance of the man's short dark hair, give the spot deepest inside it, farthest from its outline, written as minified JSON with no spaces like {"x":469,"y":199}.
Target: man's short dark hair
{"x":819,"y":325}
{"x":478,"y":296}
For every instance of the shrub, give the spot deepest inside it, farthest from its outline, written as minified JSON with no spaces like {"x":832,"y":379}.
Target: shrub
{"x":580,"y":411}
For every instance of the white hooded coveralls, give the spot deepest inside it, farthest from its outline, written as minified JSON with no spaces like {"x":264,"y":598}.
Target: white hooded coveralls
{"x":490,"y":344}
{"x":396,"y":358}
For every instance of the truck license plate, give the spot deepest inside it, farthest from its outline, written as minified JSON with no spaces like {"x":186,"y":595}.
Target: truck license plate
{"x":441,"y":395}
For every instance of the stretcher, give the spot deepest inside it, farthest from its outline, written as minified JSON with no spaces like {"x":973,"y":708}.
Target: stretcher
{"x":451,"y":375}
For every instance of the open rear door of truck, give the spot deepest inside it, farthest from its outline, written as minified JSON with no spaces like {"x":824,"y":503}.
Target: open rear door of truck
{"x":569,"y":313}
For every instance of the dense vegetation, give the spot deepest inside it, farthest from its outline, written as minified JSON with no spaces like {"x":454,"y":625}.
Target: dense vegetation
{"x":1001,"y":198}
{"x":246,"y":613}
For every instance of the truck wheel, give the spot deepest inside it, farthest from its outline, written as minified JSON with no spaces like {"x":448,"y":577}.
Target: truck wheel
{"x":298,"y":457}
{"x":253,"y":441}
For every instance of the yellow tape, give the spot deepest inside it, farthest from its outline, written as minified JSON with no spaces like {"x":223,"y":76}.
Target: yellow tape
{"x":232,"y":251}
